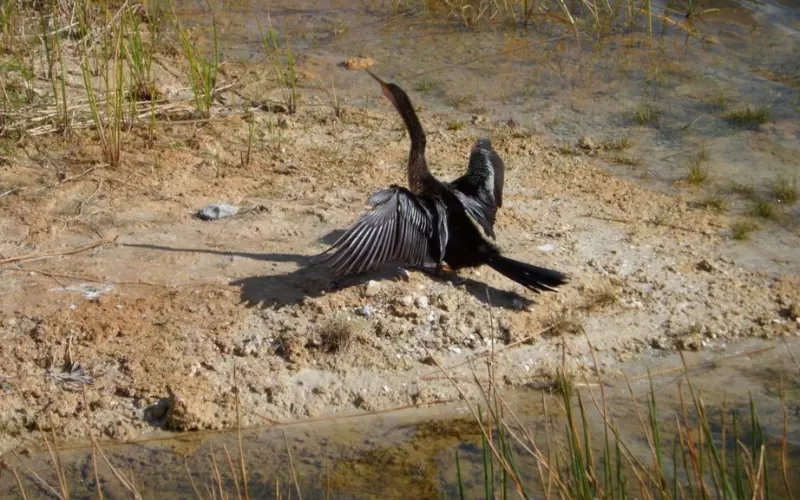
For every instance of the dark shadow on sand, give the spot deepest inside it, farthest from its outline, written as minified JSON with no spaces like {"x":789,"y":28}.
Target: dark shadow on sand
{"x":314,"y":279}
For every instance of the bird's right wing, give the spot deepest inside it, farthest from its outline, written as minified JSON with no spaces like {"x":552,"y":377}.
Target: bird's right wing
{"x":401,"y":227}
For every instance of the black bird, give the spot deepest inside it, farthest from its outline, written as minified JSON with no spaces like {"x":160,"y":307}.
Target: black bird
{"x":480,"y":189}
{"x":433,"y":223}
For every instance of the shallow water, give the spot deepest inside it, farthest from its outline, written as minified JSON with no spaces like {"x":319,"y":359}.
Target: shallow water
{"x":411,"y":453}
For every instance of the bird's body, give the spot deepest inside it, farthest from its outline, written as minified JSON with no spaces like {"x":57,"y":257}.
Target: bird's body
{"x":433,"y":222}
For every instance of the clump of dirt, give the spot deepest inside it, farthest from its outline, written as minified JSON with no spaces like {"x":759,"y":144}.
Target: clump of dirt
{"x":160,"y":320}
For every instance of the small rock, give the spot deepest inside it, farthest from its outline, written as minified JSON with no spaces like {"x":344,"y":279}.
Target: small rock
{"x":358,"y":63}
{"x":705,"y":265}
{"x":372,"y":288}
{"x":422,"y":302}
{"x":478,"y":119}
{"x":406,"y":301}
{"x":365,"y":311}
{"x":546,"y":248}
{"x":217,"y":211}
{"x":249,"y":347}
{"x":447,"y":302}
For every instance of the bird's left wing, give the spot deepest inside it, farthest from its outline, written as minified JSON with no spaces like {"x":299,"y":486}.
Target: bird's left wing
{"x":400,"y":228}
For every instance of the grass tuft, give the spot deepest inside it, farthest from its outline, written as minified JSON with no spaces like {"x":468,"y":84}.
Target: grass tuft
{"x":285,"y":70}
{"x":646,"y":114}
{"x":748,"y":117}
{"x":716,"y":201}
{"x":202,"y":69}
{"x":338,"y":332}
{"x":785,"y":191}
{"x":763,"y":209}
{"x":616,"y":144}
{"x":741,"y":230}
{"x":455,"y":125}
{"x":632,"y":160}
{"x":696,"y":170}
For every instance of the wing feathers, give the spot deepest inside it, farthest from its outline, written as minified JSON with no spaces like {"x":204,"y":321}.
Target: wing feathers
{"x":399,"y":228}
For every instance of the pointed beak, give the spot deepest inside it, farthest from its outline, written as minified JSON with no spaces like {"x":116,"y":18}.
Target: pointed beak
{"x":375,"y":77}
{"x":384,"y":85}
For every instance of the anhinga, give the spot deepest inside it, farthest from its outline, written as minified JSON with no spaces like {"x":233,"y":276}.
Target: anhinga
{"x":434,"y":223}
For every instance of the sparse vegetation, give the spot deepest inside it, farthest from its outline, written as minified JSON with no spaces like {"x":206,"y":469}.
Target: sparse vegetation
{"x":716,"y":201}
{"x":696,"y":170}
{"x":646,"y":114}
{"x":455,"y":125}
{"x":565,"y":321}
{"x":202,"y":69}
{"x":741,"y":230}
{"x":745,"y":190}
{"x":568,"y":150}
{"x":748,"y":117}
{"x":718,"y":100}
{"x":785,"y":190}
{"x":339,"y":331}
{"x":696,"y":173}
{"x":600,"y":297}
{"x":616,"y":144}
{"x":285,"y":71}
{"x":424,"y":86}
{"x":631,"y":160}
{"x":763,"y":209}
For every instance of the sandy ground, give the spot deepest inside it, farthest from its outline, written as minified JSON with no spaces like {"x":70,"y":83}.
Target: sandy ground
{"x":175,"y":315}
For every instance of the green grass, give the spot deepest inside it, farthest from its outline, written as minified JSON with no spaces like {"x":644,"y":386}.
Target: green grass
{"x":763,"y":209}
{"x":785,"y":191}
{"x":716,"y":201}
{"x":425,"y":86}
{"x":696,"y":173}
{"x":620,"y":144}
{"x":748,"y":117}
{"x":688,"y":457}
{"x":455,"y":125}
{"x":741,"y":230}
{"x":108,"y":58}
{"x":202,"y":69}
{"x":646,"y":114}
{"x":696,"y":170}
{"x":745,"y":190}
{"x":568,"y":150}
{"x":629,"y":160}
{"x":283,"y":67}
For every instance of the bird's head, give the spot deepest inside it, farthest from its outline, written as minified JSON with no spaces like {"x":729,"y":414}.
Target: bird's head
{"x":395,"y":94}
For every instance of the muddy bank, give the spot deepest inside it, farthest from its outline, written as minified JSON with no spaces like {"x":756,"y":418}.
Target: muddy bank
{"x":159,"y":319}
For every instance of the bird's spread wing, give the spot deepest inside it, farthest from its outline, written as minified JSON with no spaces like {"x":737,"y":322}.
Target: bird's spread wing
{"x":481,"y":213}
{"x":481,"y":188}
{"x":401,"y":227}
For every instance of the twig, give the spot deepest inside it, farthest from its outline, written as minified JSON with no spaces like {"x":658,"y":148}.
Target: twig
{"x":791,"y":354}
{"x":291,"y":466}
{"x":69,"y":251}
{"x":10,"y":191}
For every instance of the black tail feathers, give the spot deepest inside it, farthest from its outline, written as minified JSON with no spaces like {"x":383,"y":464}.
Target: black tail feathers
{"x":538,"y":279}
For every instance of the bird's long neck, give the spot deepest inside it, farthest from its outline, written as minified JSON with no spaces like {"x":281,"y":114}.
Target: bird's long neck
{"x":419,"y":176}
